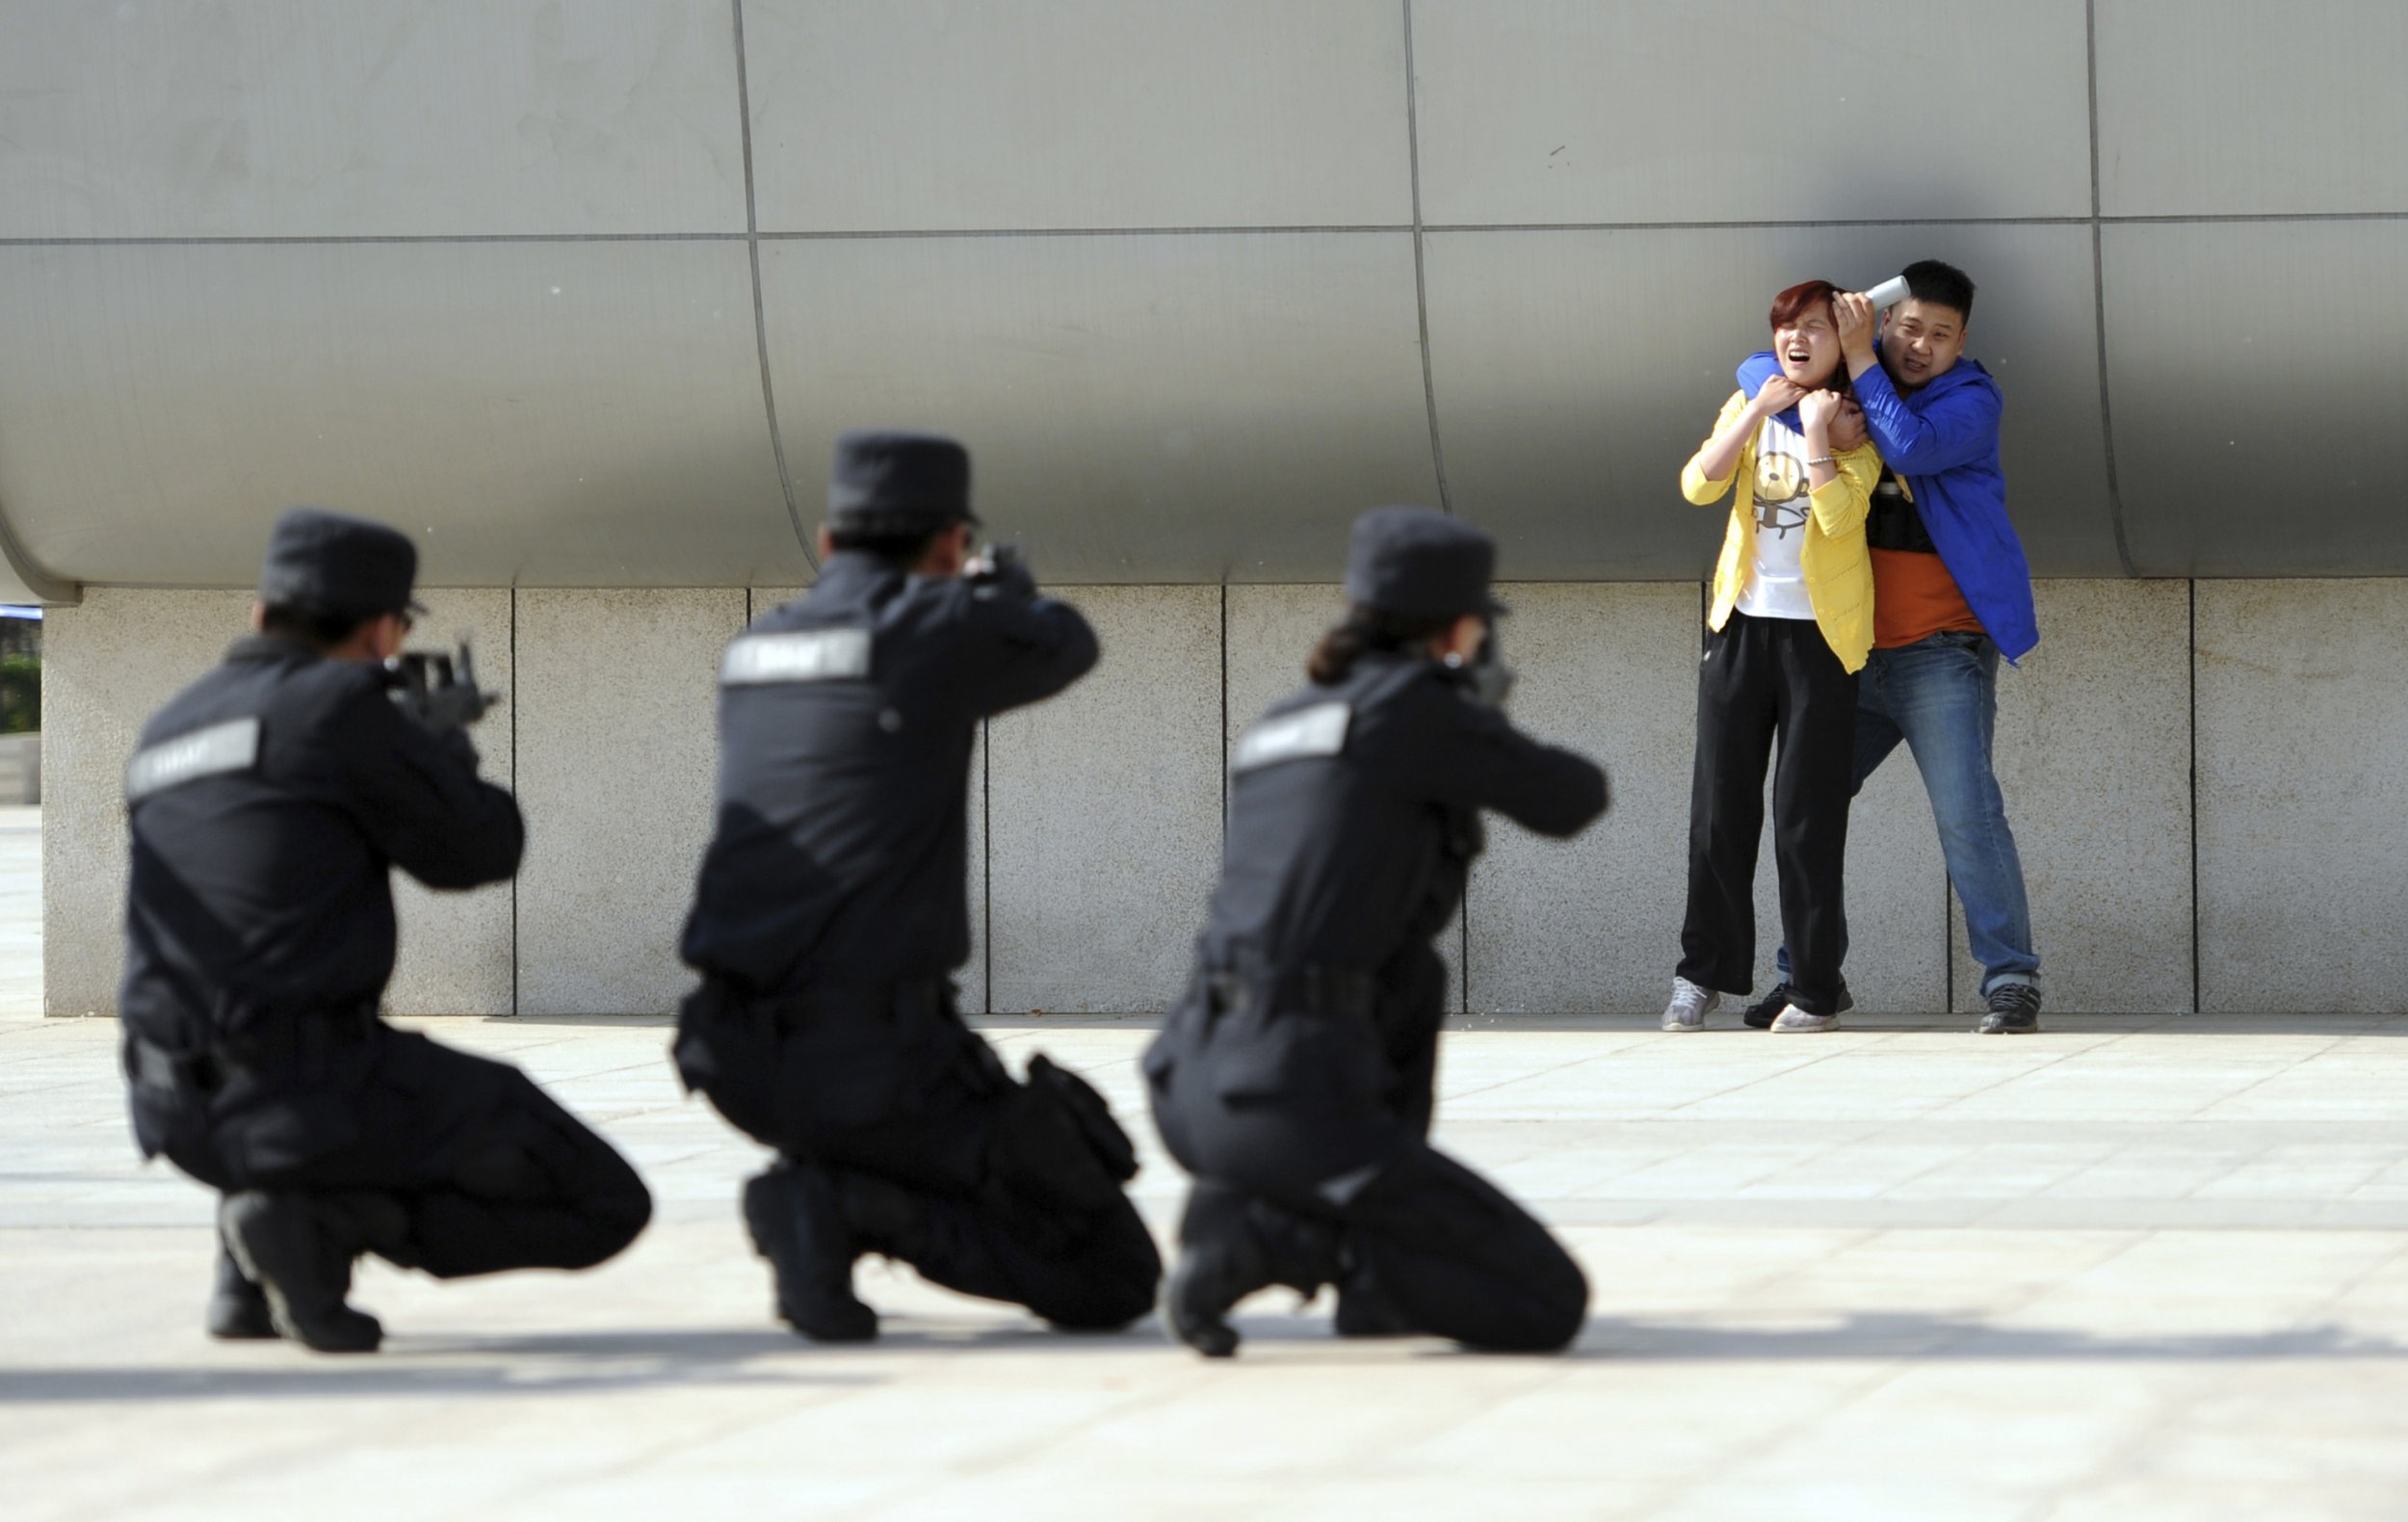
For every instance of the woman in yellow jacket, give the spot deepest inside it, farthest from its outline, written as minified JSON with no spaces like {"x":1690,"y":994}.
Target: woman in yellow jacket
{"x":1792,"y":621}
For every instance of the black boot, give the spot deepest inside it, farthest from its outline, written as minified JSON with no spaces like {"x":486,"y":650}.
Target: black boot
{"x":1230,"y":1246}
{"x":798,"y":1225}
{"x":238,"y":1308}
{"x":299,"y":1250}
{"x":884,"y":1217}
{"x":1364,"y":1308}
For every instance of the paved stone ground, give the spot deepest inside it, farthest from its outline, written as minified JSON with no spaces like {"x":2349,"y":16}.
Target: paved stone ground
{"x":2125,"y":1269}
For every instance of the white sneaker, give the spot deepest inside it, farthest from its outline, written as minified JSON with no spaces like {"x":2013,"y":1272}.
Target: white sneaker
{"x":1794,"y":1019}
{"x":1689,"y":1005}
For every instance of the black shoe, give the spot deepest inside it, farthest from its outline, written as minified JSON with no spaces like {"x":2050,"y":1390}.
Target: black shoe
{"x":2014,"y":1010}
{"x":298,"y":1252}
{"x":238,"y":1308}
{"x":1763,"y":1012}
{"x":1365,"y":1310}
{"x":1231,"y":1246}
{"x":798,"y":1224}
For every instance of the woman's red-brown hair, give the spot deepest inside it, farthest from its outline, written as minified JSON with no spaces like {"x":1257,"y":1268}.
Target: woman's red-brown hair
{"x":1791,"y":303}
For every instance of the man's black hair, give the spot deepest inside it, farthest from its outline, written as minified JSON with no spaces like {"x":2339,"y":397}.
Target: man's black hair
{"x":314,"y":627}
{"x":1943,"y":285}
{"x":904,"y":549}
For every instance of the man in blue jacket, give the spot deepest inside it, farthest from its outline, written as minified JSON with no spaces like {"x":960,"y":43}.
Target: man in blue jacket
{"x":1951,"y":594}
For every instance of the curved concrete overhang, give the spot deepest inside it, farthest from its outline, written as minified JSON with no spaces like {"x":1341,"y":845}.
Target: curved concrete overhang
{"x":581,"y":295}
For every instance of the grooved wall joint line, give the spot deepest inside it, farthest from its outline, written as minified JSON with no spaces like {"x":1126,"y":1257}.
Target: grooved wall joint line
{"x":1947,"y":945}
{"x":1421,"y":285}
{"x":2197,"y":1004}
{"x":2098,"y":297}
{"x":1224,"y":715}
{"x":518,"y":710}
{"x":760,"y":318}
{"x":986,"y":865}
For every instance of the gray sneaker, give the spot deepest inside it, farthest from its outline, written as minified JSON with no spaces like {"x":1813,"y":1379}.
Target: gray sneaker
{"x":1689,"y":1005}
{"x":1792,"y":1021}
{"x":2014,"y":1010}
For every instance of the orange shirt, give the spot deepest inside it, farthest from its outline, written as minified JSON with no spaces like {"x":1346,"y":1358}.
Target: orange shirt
{"x":1913,"y":597}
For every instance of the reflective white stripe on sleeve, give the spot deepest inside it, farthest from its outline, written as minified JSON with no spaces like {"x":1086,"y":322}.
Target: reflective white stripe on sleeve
{"x":803,"y":655}
{"x":1320,"y":730}
{"x":229,"y":747}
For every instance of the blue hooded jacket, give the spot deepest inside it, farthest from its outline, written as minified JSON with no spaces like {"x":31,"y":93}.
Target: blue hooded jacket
{"x":1944,"y":439}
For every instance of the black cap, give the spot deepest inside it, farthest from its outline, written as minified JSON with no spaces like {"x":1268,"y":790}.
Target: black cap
{"x":1416,"y":564}
{"x":331,"y":564}
{"x":890,"y":481}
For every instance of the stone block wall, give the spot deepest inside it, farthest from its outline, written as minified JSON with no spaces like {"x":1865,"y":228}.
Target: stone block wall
{"x":2207,"y":780}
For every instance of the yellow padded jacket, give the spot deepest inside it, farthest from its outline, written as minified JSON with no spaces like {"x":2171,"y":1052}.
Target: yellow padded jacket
{"x":1837,"y":571}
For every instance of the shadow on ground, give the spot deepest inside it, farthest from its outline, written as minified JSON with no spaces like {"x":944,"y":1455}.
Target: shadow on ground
{"x":1884,"y":1335}
{"x":578,"y":1364}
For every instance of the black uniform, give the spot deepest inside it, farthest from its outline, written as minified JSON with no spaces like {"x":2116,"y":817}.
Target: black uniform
{"x":269,"y":801}
{"x":1295,"y":1079}
{"x":830,"y":914}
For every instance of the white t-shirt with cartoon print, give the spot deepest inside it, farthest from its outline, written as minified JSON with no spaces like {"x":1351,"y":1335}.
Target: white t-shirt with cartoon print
{"x":1776,"y":583}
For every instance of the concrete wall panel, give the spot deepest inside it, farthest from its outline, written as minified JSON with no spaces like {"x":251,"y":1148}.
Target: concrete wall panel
{"x":2232,"y":106}
{"x":298,"y":119}
{"x":1594,"y":924}
{"x":459,"y":950}
{"x":2242,"y":358}
{"x":2093,"y":754}
{"x":1271,"y":631}
{"x":538,"y":414}
{"x":2301,"y":795}
{"x":943,"y":114}
{"x":1564,"y":427}
{"x":618,"y":752}
{"x":108,"y":665}
{"x":1141,"y":409}
{"x":1556,"y":111}
{"x":1104,"y":812}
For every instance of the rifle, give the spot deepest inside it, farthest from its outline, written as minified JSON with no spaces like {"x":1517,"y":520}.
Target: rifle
{"x":438,"y":691}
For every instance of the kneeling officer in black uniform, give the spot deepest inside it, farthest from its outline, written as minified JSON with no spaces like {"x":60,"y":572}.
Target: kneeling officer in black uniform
{"x":834,"y":908}
{"x":269,"y":803}
{"x":1295,"y":1079}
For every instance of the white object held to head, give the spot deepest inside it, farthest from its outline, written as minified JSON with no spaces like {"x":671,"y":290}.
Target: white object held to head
{"x":1889,"y":293}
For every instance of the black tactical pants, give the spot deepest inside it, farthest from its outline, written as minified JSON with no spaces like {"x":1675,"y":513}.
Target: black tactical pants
{"x":490,"y":1171}
{"x":1763,"y":681}
{"x":1011,"y":1205}
{"x":1297,"y":1112}
{"x":1410,"y":1011}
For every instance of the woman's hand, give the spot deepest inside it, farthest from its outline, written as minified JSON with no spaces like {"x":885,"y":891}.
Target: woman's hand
{"x":1778,"y":395}
{"x":1817,"y":412}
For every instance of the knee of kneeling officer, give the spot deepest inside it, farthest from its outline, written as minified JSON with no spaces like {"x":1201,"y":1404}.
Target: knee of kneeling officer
{"x":1547,"y":1315}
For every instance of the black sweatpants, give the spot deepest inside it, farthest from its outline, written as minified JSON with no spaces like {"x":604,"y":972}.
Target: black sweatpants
{"x":902,"y":1091}
{"x":1769,"y":688}
{"x":490,"y":1171}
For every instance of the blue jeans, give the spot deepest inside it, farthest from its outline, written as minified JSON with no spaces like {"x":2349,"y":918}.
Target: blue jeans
{"x":1941,"y":697}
